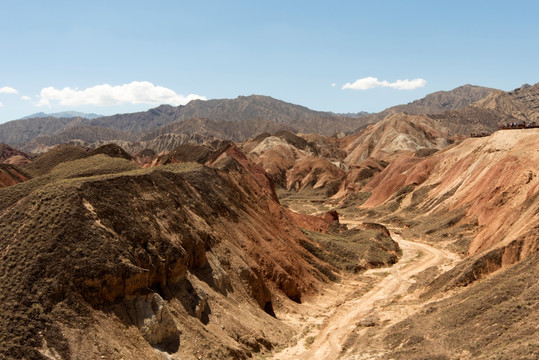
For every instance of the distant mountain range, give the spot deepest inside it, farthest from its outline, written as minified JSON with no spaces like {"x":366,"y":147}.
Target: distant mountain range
{"x":439,"y":102}
{"x":462,"y":110}
{"x":228,"y":119}
{"x":354,"y":115}
{"x":521,"y":104}
{"x":63,"y":114}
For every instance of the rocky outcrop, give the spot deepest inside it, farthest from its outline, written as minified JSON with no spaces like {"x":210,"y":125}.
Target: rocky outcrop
{"x":57,"y":155}
{"x":145,"y":157}
{"x":358,"y":176}
{"x":152,"y":316}
{"x":186,"y":153}
{"x":316,"y":223}
{"x":221,"y":159}
{"x":438,"y":102}
{"x":374,"y":226}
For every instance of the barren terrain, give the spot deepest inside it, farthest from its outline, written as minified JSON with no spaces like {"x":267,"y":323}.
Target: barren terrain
{"x":338,"y":320}
{"x":217,"y":250}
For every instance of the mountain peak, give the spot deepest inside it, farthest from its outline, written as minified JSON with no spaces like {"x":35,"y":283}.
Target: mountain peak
{"x":63,"y":114}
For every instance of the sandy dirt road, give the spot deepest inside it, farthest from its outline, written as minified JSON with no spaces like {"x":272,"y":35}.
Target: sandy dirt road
{"x":330,"y":325}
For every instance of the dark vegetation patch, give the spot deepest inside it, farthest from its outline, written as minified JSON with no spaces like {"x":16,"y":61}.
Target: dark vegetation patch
{"x":307,"y":201}
{"x":402,"y":192}
{"x":85,"y":167}
{"x":419,"y":195}
{"x":402,"y":222}
{"x":448,"y":226}
{"x":47,"y":161}
{"x":424,"y":278}
{"x":437,"y":201}
{"x":296,"y":141}
{"x":355,"y":199}
{"x":259,"y":138}
{"x":112,"y":150}
{"x":147,"y":152}
{"x":425,"y":152}
{"x":353,"y":250}
{"x":475,"y":268}
{"x":188,"y":153}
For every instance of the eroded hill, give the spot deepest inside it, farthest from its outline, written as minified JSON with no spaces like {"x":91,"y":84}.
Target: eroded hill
{"x":101,"y":258}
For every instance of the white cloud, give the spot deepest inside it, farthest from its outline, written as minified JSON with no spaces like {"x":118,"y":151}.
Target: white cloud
{"x":136,"y":92}
{"x":8,"y":90}
{"x":26,"y":98}
{"x":372,"y":82}
{"x":1,"y":105}
{"x":333,"y":84}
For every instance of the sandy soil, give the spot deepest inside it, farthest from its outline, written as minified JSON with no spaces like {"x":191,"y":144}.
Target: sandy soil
{"x":344,"y":321}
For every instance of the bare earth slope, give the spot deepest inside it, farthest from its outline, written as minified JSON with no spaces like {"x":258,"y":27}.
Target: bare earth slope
{"x":101,"y":259}
{"x":398,"y":132}
{"x":488,"y":186}
{"x":11,"y":175}
{"x":123,"y":251}
{"x":493,"y":182}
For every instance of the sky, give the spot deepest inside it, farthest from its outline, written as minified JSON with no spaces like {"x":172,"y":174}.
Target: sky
{"x":118,"y":56}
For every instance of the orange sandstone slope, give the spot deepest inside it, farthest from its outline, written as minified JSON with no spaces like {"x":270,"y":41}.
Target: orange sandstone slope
{"x":343,"y":165}
{"x":491,"y":182}
{"x":394,"y":177}
{"x":496,"y":180}
{"x":400,"y":141}
{"x":274,"y":154}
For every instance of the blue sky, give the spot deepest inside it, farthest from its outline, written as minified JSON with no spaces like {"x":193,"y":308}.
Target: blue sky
{"x":122,"y":56}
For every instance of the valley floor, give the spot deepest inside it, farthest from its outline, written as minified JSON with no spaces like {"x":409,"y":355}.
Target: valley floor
{"x":347,"y":321}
